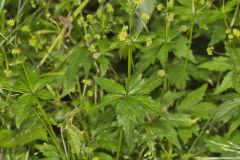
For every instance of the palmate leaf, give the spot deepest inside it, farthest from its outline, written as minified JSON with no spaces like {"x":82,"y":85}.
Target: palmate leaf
{"x":106,"y":100}
{"x":129,"y":114}
{"x":110,"y":85}
{"x":226,"y":83}
{"x":145,"y":86}
{"x":23,"y":107}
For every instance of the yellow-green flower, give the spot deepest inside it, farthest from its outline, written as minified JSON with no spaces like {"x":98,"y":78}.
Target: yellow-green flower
{"x":11,"y":22}
{"x":89,"y":93}
{"x":25,"y":29}
{"x":125,"y":28}
{"x":86,"y":82}
{"x":170,"y":4}
{"x":236,"y":32}
{"x":109,"y":8}
{"x":7,"y":72}
{"x":16,"y":51}
{"x":169,"y":17}
{"x":145,"y":17}
{"x":210,"y":50}
{"x":92,"y":48}
{"x":230,"y":36}
{"x":122,"y":35}
{"x":137,"y":2}
{"x":160,"y":7}
{"x":148,"y":41}
{"x":161,"y":73}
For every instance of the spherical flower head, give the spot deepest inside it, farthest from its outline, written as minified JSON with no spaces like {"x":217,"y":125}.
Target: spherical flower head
{"x":184,"y":28}
{"x":160,"y":7}
{"x":137,"y":2}
{"x":86,"y":82}
{"x":125,"y":28}
{"x":25,"y":29}
{"x":236,"y":32}
{"x":161,"y":73}
{"x":170,"y":4}
{"x":169,"y":17}
{"x":11,"y":22}
{"x":145,"y":17}
{"x":92,"y":48}
{"x":122,"y":35}
{"x":230,"y":36}
{"x":87,"y":36}
{"x":16,"y":51}
{"x":210,"y":50}
{"x":97,"y":36}
{"x":89,"y":93}
{"x":202,"y":2}
{"x":109,"y":8}
{"x":7,"y":72}
{"x":228,"y":31}
{"x":148,"y":41}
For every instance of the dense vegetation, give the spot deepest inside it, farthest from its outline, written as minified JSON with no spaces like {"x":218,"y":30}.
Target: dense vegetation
{"x":119,"y":79}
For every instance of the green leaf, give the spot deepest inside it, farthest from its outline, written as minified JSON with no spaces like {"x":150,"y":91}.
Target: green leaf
{"x":105,"y":101}
{"x":79,"y":58}
{"x":45,"y":94}
{"x":49,"y":151}
{"x":104,"y":64}
{"x":23,"y":107}
{"x":29,"y":131}
{"x":227,"y":110}
{"x":129,"y":114}
{"x":217,"y":64}
{"x":76,"y":139}
{"x":192,"y":98}
{"x":177,"y":70}
{"x":163,"y":128}
{"x":110,"y":85}
{"x":146,"y":85}
{"x":226,"y":83}
{"x":146,"y":103}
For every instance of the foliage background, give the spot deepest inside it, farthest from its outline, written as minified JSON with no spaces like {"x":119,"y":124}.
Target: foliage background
{"x":129,"y":79}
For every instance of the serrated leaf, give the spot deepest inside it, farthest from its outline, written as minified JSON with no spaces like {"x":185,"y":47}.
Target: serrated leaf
{"x":163,"y":128}
{"x":227,"y":110}
{"x":146,"y":103}
{"x":128,"y":115}
{"x":29,"y":131}
{"x":226,"y":83}
{"x":146,"y":85}
{"x":45,"y":94}
{"x":76,"y":139}
{"x":218,"y":64}
{"x":110,"y":85}
{"x":49,"y":151}
{"x":23,"y":107}
{"x":192,"y":98}
{"x":105,"y":101}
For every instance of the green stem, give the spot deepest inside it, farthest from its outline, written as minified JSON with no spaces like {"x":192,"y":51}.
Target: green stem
{"x":188,"y":51}
{"x":119,"y":144}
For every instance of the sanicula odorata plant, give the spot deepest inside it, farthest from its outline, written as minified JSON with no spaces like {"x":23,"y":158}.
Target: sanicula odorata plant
{"x":119,"y":79}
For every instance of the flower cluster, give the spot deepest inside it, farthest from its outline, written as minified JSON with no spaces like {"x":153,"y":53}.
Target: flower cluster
{"x":123,"y":34}
{"x":233,"y":33}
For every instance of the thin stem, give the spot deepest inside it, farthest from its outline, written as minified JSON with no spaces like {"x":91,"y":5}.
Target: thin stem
{"x":119,"y":144}
{"x":189,"y":48}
